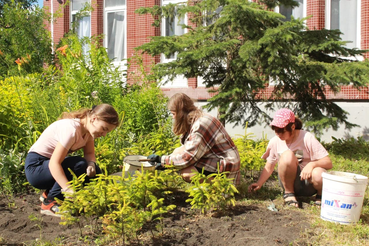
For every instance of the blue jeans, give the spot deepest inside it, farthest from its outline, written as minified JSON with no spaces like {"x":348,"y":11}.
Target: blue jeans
{"x":38,"y":172}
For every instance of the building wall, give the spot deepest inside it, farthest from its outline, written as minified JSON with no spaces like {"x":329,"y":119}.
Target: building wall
{"x":315,"y":8}
{"x":140,"y":29}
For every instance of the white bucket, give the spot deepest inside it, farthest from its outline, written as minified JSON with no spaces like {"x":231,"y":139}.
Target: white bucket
{"x":132,"y":163}
{"x":342,"y":197}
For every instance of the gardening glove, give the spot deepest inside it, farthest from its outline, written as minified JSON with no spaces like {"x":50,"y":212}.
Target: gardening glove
{"x":91,"y":169}
{"x":159,"y":167}
{"x":154,"y":159}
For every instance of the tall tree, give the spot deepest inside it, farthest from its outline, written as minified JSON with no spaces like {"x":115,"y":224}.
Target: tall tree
{"x":23,"y":3}
{"x":23,"y":39}
{"x":240,"y":47}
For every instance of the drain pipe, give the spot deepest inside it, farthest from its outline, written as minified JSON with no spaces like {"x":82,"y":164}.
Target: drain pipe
{"x":52,"y":26}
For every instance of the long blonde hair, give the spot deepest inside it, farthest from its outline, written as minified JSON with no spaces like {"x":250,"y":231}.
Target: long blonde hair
{"x":104,"y":112}
{"x":186,"y":112}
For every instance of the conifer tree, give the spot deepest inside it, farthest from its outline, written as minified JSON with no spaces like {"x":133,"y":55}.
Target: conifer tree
{"x":240,"y":47}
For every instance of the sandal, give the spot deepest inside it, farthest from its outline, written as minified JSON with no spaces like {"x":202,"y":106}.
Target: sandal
{"x":318,"y":200}
{"x":292,"y":202}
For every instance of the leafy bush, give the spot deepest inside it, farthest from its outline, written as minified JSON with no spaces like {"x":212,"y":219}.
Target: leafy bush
{"x":250,"y":152}
{"x":16,"y":115}
{"x":349,"y":148}
{"x":212,"y":192}
{"x":24,"y":39}
{"x":12,"y":175}
{"x":124,"y":204}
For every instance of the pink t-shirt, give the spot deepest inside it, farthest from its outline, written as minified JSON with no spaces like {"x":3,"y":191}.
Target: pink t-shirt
{"x":67,"y":132}
{"x":306,"y":148}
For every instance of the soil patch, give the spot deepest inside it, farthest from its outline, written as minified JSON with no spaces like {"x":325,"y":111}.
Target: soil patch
{"x":250,"y":225}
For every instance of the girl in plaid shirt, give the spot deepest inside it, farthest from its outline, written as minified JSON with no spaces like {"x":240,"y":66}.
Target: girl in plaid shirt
{"x":205,"y":142}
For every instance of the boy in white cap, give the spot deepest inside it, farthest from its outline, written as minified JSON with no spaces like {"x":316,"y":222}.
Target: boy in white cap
{"x":300,"y":156}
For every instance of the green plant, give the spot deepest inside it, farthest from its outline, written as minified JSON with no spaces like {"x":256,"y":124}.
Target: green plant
{"x":250,"y":152}
{"x":124,"y":205}
{"x":12,"y":175}
{"x":39,"y":222}
{"x":212,"y":192}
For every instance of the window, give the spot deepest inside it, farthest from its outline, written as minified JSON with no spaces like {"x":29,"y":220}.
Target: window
{"x":172,"y":27}
{"x":297,"y":12}
{"x":115,"y":26}
{"x":345,"y":16}
{"x":83,"y":24}
{"x":212,"y":17}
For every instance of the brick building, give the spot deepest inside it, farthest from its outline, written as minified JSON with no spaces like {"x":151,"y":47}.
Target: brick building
{"x":124,"y":30}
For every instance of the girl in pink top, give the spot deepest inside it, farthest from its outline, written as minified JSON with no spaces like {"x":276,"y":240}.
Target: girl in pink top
{"x":301,"y":159}
{"x":47,"y":161}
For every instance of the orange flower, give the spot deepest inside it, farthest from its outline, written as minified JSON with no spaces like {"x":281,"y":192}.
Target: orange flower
{"x":24,"y":60}
{"x":18,"y":61}
{"x":62,"y":49}
{"x":1,"y":53}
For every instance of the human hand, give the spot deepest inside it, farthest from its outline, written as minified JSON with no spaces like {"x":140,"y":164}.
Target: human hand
{"x":91,"y":169}
{"x":68,"y":192}
{"x":159,"y":167}
{"x":254,"y":187}
{"x":154,"y":159}
{"x":306,"y":172}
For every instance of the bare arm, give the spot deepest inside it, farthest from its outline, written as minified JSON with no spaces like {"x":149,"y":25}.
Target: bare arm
{"x":89,"y":155}
{"x":264,"y":176}
{"x":89,"y":151}
{"x":325,"y":163}
{"x":55,"y":166}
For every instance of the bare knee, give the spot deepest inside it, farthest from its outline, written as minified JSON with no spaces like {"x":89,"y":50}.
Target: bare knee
{"x":187,"y":173}
{"x":287,"y":158}
{"x":316,"y":178}
{"x":287,"y":163}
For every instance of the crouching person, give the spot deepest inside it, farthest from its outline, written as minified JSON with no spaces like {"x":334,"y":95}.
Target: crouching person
{"x":300,"y":156}
{"x":205,"y":143}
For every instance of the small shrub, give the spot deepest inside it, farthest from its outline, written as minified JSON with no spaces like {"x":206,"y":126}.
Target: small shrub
{"x":250,"y":152}
{"x":213,"y":192}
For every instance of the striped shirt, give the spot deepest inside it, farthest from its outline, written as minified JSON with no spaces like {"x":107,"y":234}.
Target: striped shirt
{"x":208,"y":145}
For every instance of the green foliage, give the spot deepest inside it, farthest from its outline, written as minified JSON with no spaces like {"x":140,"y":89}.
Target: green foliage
{"x":23,"y":38}
{"x":349,"y":155}
{"x":16,"y":109}
{"x":244,"y":47}
{"x":212,"y":192}
{"x":86,"y":79}
{"x":12,"y":175}
{"x":250,"y":152}
{"x":31,"y":103}
{"x":350,"y":148}
{"x":124,"y":204}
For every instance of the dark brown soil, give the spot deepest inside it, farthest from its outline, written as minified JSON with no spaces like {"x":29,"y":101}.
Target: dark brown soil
{"x":22,"y":224}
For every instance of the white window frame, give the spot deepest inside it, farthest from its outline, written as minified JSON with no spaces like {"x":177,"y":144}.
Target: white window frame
{"x":304,"y":7}
{"x":357,"y":44}
{"x":163,"y":58}
{"x":74,"y":12}
{"x":122,"y":8}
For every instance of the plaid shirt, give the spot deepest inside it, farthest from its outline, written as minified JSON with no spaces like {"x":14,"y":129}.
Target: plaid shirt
{"x":207,"y":145}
